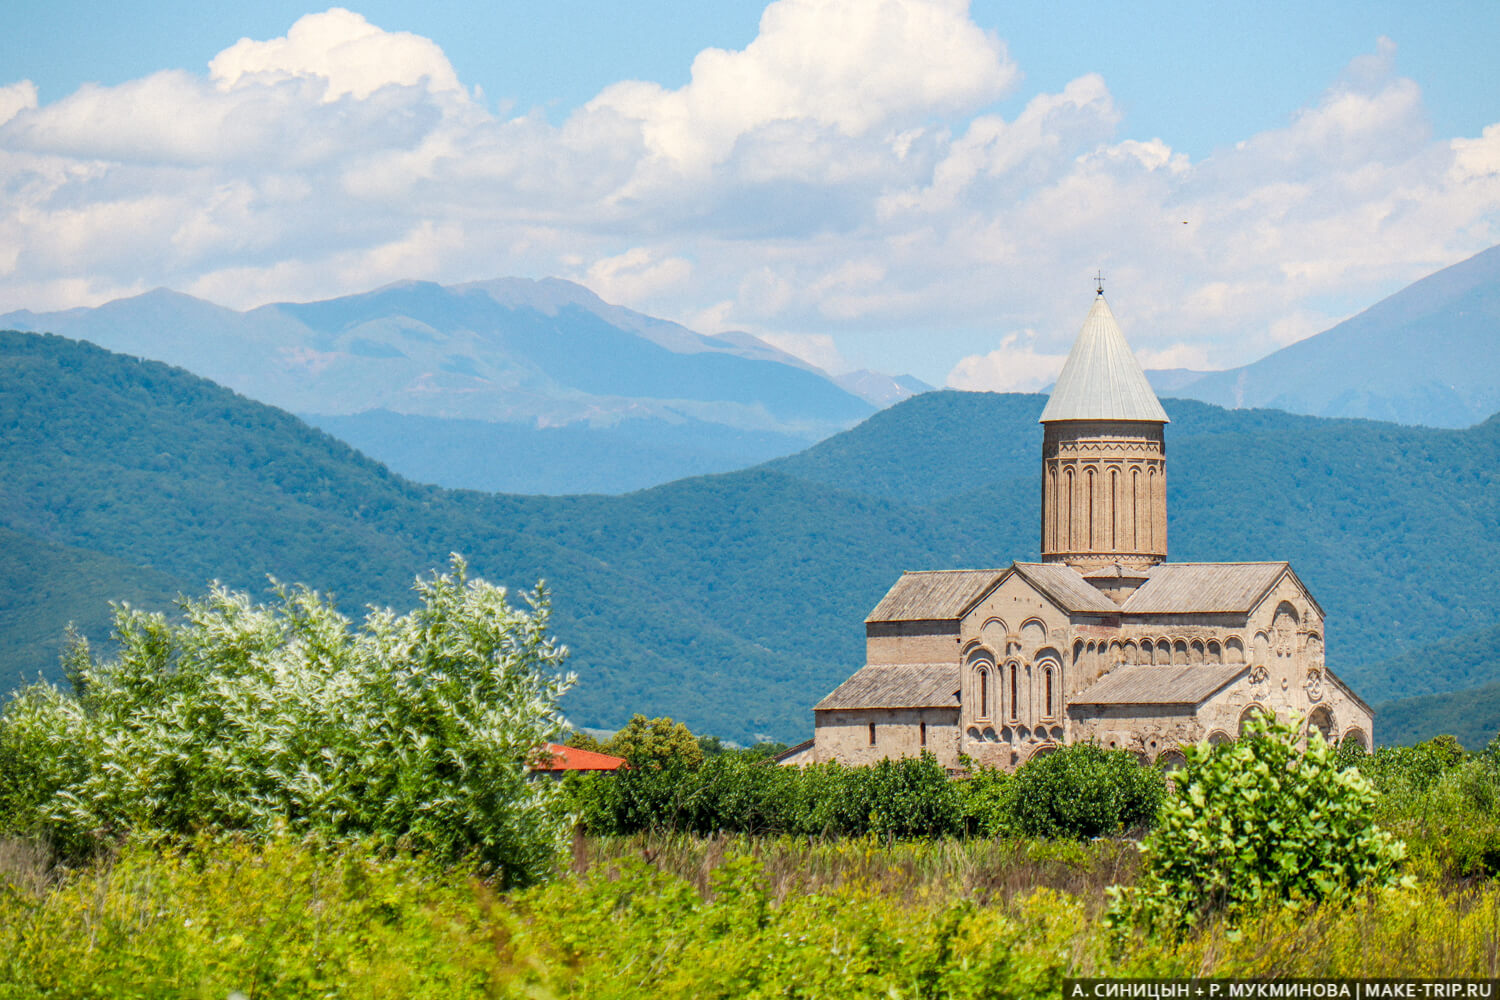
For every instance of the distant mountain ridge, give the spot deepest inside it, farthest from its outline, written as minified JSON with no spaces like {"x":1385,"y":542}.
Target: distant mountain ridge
{"x":521,"y":356}
{"x":1425,"y":356}
{"x":734,"y":601}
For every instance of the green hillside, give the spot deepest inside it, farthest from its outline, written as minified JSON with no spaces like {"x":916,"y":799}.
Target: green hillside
{"x":1473,"y":716}
{"x":47,"y":586}
{"x":733,"y":601}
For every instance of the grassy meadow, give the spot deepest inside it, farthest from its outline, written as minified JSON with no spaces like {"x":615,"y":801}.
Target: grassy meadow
{"x":665,"y":915}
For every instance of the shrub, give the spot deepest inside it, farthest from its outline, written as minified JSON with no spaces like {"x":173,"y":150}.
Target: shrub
{"x":1254,"y":822}
{"x":1085,"y":790}
{"x":646,"y":742}
{"x":987,"y":801}
{"x":1418,"y":767}
{"x":252,"y":719}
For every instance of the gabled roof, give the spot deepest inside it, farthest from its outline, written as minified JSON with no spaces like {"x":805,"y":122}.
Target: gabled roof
{"x":1066,"y":587}
{"x":1102,"y":380}
{"x":1204,"y":588}
{"x":1139,"y":684}
{"x":933,"y":595}
{"x":556,"y":757}
{"x":897,"y":685}
{"x":1170,"y":589}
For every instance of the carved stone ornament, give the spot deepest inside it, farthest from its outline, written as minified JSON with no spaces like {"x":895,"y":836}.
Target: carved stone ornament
{"x":1314,"y":685}
{"x":1259,"y":674}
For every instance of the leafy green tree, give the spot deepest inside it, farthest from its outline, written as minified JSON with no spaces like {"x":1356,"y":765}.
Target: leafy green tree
{"x":765,"y":749}
{"x":414,"y":729}
{"x":711,"y":746}
{"x":580,"y":740}
{"x":1257,"y":822}
{"x":646,"y":741}
{"x":1085,"y":790}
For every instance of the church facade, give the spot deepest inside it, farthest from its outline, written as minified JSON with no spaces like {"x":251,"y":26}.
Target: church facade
{"x":1103,"y":639}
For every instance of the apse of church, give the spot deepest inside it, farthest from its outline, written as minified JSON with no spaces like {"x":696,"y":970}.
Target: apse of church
{"x":1103,"y":639}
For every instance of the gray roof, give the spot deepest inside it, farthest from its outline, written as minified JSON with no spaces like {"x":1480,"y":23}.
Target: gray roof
{"x":1064,"y":585}
{"x":1102,"y":380}
{"x":897,"y":685}
{"x":933,"y":595}
{"x":1204,"y":588}
{"x":1170,"y":589}
{"x":1138,"y":684}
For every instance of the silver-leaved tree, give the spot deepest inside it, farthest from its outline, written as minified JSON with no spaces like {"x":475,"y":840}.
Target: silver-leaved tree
{"x":254,"y":719}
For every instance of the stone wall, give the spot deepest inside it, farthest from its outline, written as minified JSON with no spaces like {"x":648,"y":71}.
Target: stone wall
{"x":844,"y":734}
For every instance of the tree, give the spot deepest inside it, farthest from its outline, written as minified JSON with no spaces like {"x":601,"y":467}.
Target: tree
{"x":414,"y":729}
{"x":655,"y":741}
{"x":580,"y":740}
{"x":1257,"y":822}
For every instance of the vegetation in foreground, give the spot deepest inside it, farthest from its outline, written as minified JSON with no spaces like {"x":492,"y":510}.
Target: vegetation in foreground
{"x":253,"y":720}
{"x":678,"y":915}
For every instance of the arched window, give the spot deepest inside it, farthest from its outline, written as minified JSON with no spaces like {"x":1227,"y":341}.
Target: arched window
{"x":1047,"y":675}
{"x":1112,"y":521}
{"x":1092,"y":543}
{"x":1014,"y":700}
{"x":984,"y":693}
{"x":872,"y":734}
{"x":1068,"y":520}
{"x":1321,"y":719}
{"x":1249,"y":713}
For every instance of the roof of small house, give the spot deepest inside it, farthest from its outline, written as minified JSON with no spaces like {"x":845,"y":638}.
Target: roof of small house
{"x":897,"y":685}
{"x":1102,"y":380}
{"x":1139,"y":684}
{"x":557,"y":757}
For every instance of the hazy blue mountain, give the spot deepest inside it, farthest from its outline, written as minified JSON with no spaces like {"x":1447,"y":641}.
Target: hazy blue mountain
{"x":881,"y":390}
{"x":517,"y":458}
{"x":731,"y":601}
{"x":639,"y":400}
{"x":1426,"y":355}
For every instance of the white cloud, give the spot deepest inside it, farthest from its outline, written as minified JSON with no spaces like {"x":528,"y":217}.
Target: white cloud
{"x":635,"y":275}
{"x":344,"y":53}
{"x":844,"y":176}
{"x":815,"y":348}
{"x":854,"y":65}
{"x":1015,"y":367}
{"x":15,"y":98}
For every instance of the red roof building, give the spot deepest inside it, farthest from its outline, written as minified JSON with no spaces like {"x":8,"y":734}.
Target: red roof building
{"x":554,"y":758}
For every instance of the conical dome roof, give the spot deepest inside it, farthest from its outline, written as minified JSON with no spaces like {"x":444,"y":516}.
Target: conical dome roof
{"x":1102,"y":380}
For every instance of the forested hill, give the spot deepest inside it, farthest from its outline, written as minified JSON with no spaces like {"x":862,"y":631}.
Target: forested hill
{"x":732,"y":602}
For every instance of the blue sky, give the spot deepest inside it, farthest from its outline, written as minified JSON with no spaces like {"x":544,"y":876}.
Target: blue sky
{"x":905,"y":184}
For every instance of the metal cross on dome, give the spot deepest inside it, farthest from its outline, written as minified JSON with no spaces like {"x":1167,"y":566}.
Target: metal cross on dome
{"x":1099,"y":281}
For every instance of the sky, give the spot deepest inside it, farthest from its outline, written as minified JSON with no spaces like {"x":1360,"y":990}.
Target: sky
{"x":911,"y":186}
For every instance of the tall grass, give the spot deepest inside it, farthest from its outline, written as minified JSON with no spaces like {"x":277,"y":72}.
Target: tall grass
{"x":671,"y":917}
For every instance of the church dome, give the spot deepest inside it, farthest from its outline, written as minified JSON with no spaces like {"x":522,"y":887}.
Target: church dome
{"x":1101,"y":379}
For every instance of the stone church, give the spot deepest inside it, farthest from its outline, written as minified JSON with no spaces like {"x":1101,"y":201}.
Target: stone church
{"x":1103,"y":639}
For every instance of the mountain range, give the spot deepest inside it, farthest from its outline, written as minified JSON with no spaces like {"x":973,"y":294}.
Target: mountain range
{"x":510,"y":385}
{"x":730,"y":601}
{"x":1425,"y":355}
